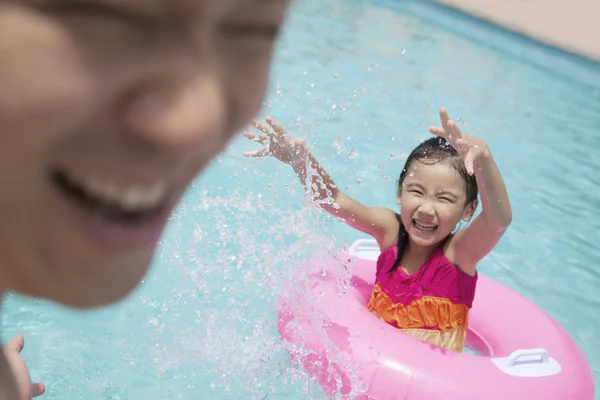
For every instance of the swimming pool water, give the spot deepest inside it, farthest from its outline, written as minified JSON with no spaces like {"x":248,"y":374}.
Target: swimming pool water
{"x":361,"y":81}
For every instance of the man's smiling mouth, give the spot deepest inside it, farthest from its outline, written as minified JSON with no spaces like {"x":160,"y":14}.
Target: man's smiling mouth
{"x":124,"y":204}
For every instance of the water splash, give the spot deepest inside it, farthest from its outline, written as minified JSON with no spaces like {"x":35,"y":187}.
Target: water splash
{"x":216,"y":328}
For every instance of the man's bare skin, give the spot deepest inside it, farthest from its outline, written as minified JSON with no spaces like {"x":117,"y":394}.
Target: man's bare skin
{"x":109,"y":109}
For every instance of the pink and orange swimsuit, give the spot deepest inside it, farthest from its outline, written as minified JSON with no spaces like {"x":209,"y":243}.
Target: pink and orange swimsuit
{"x":432,"y":304}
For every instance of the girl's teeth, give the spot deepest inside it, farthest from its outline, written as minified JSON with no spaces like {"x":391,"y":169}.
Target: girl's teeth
{"x":128,"y":197}
{"x":425,"y":227}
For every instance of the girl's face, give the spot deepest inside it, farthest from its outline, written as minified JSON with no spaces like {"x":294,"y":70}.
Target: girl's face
{"x":108,"y":110}
{"x":432,"y":200}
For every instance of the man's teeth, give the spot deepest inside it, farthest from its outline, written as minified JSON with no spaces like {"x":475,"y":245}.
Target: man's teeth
{"x":128,"y":197}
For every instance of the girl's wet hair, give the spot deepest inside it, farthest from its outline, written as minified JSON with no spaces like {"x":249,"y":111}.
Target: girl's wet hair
{"x":432,"y":151}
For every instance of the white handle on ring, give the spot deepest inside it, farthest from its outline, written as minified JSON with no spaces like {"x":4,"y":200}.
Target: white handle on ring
{"x":529,"y":356}
{"x":365,"y":248}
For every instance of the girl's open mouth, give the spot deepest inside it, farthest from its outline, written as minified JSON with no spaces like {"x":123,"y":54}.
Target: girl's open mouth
{"x":424,"y":227}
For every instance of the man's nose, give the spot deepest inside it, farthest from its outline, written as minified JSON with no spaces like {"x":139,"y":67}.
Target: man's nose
{"x":181,"y":118}
{"x":183,"y":106}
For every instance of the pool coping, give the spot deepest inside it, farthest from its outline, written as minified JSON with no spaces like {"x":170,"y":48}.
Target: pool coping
{"x":578,"y":69}
{"x":476,"y":9}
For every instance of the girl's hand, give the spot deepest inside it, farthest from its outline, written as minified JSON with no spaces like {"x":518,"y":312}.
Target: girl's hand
{"x":470,"y":148}
{"x":276,"y":142}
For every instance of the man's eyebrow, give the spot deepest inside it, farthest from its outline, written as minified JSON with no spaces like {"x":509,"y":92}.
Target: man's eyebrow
{"x":100,"y":8}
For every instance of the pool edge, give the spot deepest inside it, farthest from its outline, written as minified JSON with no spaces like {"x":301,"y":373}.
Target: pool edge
{"x":576,"y":51}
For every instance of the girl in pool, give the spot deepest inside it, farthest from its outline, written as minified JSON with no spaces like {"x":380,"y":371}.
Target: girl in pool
{"x":426,"y":273}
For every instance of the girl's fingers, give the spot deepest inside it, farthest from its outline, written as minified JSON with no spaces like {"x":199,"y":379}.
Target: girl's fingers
{"x":444,"y":118}
{"x":255,"y":137}
{"x":461,"y":145}
{"x":275,"y":125}
{"x":454,"y":133}
{"x":437,"y":130}
{"x":457,"y":130}
{"x":469,"y":167}
{"x":256,"y":153}
{"x":469,"y":163}
{"x":261,"y":127}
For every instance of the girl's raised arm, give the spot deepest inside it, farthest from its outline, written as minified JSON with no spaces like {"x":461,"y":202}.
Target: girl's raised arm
{"x":469,"y":245}
{"x":375,"y":221}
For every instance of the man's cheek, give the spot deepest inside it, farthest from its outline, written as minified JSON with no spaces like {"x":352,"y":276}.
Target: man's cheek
{"x":44,"y":87}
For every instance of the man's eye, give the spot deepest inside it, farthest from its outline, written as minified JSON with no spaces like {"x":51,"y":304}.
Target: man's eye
{"x":251,"y":31}
{"x":96,"y":9}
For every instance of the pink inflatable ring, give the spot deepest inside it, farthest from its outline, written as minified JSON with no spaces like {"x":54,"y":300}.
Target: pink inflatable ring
{"x":522,"y":352}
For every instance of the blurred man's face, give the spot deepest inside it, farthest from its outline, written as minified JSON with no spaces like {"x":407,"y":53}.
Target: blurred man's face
{"x":108,"y":110}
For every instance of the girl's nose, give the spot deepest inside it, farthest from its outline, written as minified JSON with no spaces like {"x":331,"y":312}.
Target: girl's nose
{"x":426,"y":208}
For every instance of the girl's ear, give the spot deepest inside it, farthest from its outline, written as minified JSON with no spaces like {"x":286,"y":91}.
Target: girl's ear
{"x":469,"y":210}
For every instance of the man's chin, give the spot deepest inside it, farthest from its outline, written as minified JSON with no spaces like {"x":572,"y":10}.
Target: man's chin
{"x":88,"y":297}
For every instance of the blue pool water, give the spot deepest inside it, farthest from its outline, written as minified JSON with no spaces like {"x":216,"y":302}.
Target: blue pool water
{"x":361,"y":81}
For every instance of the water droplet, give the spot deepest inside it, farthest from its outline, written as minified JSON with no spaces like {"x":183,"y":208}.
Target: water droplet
{"x":411,"y":174}
{"x":359,"y":181}
{"x":353,"y":153}
{"x":339,"y":143}
{"x":403,"y":51}
{"x":335,"y":75}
